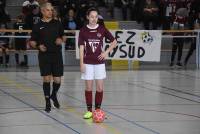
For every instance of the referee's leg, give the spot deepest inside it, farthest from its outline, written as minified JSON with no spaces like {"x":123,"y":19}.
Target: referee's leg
{"x":57,"y":72}
{"x":56,"y":87}
{"x":47,"y":90}
{"x":45,"y":70}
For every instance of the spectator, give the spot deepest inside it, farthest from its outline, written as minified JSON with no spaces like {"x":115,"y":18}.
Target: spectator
{"x":81,"y":12}
{"x":110,"y":7}
{"x":139,"y":10}
{"x":2,"y":4}
{"x":54,"y":2}
{"x":193,"y":44}
{"x":92,"y":3}
{"x":33,"y":18}
{"x":4,"y":17}
{"x":65,"y":5}
{"x":178,"y":24}
{"x":192,"y":13}
{"x":4,"y":46}
{"x":70,"y":22}
{"x":63,"y":8}
{"x":28,"y":6}
{"x":124,"y":8}
{"x":150,"y":14}
{"x":56,"y":15}
{"x":20,"y":43}
{"x":132,"y":9}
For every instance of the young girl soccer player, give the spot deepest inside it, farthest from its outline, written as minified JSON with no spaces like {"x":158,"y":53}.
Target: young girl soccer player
{"x":92,"y":58}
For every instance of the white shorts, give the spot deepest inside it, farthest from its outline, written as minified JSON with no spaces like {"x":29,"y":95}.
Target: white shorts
{"x":94,"y":72}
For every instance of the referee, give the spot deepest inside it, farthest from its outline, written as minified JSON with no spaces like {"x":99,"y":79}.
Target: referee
{"x":47,"y":37}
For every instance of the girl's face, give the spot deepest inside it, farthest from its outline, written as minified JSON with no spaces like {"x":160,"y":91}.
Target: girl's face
{"x":93,"y":18}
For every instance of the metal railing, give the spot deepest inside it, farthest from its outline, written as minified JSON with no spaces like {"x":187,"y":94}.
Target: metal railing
{"x":166,"y":34}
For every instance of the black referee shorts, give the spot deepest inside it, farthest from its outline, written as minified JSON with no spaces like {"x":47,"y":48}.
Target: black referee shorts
{"x":51,"y":64}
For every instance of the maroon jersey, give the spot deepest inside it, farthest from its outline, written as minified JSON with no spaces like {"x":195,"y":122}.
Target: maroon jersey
{"x":92,"y":39}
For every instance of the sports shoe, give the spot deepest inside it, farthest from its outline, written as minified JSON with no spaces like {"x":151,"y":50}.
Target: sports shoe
{"x":48,"y":106}
{"x":179,"y":65}
{"x":87,"y":115}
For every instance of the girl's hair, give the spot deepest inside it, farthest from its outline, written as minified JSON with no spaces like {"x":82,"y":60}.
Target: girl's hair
{"x":92,"y":9}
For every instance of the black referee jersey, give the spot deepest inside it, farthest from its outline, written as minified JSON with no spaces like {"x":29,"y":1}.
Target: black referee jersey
{"x":46,"y":33}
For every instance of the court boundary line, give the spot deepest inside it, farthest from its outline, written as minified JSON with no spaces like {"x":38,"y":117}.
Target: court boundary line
{"x":132,"y":122}
{"x":31,"y":106}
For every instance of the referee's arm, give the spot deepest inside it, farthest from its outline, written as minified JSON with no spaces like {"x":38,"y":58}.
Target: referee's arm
{"x":34,"y":37}
{"x":59,"y":39}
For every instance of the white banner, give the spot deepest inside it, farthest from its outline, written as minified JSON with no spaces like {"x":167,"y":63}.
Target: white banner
{"x":139,"y":45}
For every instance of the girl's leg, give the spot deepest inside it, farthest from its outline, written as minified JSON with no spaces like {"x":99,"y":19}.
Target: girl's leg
{"x":99,"y":93}
{"x":88,"y":98}
{"x":88,"y":94}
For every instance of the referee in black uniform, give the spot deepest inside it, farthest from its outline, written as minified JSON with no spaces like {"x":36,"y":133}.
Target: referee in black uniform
{"x":47,"y":37}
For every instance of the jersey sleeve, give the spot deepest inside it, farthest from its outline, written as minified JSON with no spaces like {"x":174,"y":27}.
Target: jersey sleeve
{"x":81,"y":38}
{"x":35,"y":34}
{"x":108,"y":35}
{"x":61,"y":30}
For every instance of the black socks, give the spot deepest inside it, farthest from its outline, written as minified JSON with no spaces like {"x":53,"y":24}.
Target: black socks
{"x":56,"y":87}
{"x":46,"y":89}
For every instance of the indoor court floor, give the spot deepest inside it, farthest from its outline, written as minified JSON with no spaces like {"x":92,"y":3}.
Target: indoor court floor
{"x":135,"y":102}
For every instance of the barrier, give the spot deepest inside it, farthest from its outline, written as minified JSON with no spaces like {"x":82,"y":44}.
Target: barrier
{"x":166,"y":34}
{"x":120,"y":64}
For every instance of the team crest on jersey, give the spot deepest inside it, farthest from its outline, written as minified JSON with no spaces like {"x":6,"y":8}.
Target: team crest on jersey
{"x":93,"y":44}
{"x":99,"y":35}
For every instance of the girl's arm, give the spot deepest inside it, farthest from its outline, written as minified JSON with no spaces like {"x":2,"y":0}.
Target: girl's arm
{"x":105,"y":54}
{"x":81,"y":53}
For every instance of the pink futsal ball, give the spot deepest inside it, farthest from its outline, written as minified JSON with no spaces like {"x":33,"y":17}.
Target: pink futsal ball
{"x":98,"y":116}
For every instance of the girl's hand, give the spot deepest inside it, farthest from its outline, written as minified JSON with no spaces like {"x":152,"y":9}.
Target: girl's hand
{"x":102,"y":56}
